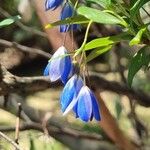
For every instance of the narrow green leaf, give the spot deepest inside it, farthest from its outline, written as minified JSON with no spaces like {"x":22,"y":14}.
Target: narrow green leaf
{"x":103,"y":3}
{"x":137,"y":38}
{"x":98,"y":16}
{"x":32,"y":145}
{"x":9,"y":21}
{"x":104,"y":41}
{"x":118,"y":108}
{"x":72,"y":20}
{"x":137,"y":5}
{"x":95,"y":53}
{"x":141,"y":58}
{"x":132,"y":2}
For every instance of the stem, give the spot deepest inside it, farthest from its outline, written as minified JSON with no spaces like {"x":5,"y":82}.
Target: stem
{"x":76,"y":4}
{"x":85,"y":39}
{"x":18,"y":123}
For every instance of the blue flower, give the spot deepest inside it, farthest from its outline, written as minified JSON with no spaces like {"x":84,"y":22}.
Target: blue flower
{"x":67,"y":12}
{"x":87,"y":106}
{"x":52,"y":4}
{"x":59,"y":66}
{"x":70,"y":92}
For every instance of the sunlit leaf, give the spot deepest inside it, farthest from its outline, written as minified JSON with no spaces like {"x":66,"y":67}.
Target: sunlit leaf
{"x":104,"y":41}
{"x":72,"y":20}
{"x":9,"y":21}
{"x":95,"y":53}
{"x":98,"y":16}
{"x":103,"y":3}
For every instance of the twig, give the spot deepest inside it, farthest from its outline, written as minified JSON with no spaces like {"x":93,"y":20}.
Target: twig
{"x":24,"y":48}
{"x":10,"y":141}
{"x":18,"y":123}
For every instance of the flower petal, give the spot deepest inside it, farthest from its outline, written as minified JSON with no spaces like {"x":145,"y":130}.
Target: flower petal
{"x":67,"y":68}
{"x":46,"y":70}
{"x":67,"y":11}
{"x":70,"y":106}
{"x":52,"y":4}
{"x":95,"y":106}
{"x":56,"y":61}
{"x":60,"y":65}
{"x":84,"y":104}
{"x":75,"y":109}
{"x":70,"y":93}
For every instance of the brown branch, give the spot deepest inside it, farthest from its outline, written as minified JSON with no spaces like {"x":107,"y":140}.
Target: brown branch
{"x":98,"y":82}
{"x":10,"y":141}
{"x":53,"y":123}
{"x":24,"y":48}
{"x":54,"y":131}
{"x":13,"y":83}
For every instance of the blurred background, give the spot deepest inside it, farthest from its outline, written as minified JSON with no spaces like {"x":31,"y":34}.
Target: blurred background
{"x":25,"y":48}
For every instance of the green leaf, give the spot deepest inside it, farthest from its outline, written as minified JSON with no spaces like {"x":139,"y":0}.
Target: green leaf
{"x":118,"y":108}
{"x":132,"y":2}
{"x":141,"y":58}
{"x":95,"y":53}
{"x":72,"y":20}
{"x":9,"y":21}
{"x":32,"y":145}
{"x":137,"y":5}
{"x":98,"y":16}
{"x":104,"y":41}
{"x":103,"y":3}
{"x":137,"y":38}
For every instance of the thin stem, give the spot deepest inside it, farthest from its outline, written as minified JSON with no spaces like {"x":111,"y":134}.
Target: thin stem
{"x":76,"y":4}
{"x":10,"y":141}
{"x":85,"y":39}
{"x":18,"y":123}
{"x":84,"y":80}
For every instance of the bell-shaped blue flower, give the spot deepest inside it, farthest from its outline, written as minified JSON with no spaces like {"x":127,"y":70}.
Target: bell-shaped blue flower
{"x":52,"y":4}
{"x":70,"y":92}
{"x":67,"y":12}
{"x":59,"y":66}
{"x":87,"y":106}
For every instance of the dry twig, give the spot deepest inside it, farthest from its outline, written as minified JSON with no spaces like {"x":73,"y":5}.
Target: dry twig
{"x":10,"y":141}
